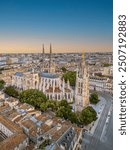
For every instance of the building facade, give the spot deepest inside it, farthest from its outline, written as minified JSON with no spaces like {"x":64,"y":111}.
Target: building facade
{"x":101,"y":84}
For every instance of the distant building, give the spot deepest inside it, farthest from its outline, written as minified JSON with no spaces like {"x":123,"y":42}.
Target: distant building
{"x":108,"y":71}
{"x":11,"y":60}
{"x":102,"y":84}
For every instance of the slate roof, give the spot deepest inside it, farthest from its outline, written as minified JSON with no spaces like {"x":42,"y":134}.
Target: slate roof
{"x":19,"y":74}
{"x":48,"y":75}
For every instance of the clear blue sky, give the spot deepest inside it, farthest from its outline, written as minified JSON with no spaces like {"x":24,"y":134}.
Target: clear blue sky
{"x":70,"y":25}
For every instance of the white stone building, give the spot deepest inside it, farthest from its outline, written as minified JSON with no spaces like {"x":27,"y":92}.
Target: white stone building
{"x":50,"y":84}
{"x":103,"y":84}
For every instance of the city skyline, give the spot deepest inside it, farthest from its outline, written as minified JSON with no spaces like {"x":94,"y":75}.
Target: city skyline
{"x":69,"y":26}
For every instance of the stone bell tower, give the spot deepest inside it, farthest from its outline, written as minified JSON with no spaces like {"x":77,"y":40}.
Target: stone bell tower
{"x":82,"y":86}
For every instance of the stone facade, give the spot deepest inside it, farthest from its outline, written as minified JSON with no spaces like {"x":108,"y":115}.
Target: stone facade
{"x":50,"y":84}
{"x":82,"y":86}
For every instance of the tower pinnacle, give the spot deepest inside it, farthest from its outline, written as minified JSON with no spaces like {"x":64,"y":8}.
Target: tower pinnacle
{"x":83,"y":56}
{"x":50,"y":58}
{"x":50,"y":49}
{"x":43,"y":50}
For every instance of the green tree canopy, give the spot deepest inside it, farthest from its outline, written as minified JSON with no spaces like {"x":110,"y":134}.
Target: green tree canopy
{"x":43,"y":106}
{"x":63,"y":112}
{"x":94,"y":98}
{"x":33,"y":97}
{"x":71,"y":76}
{"x":11,"y":91}
{"x":63,"y":69}
{"x":73,"y":118}
{"x":45,"y":143}
{"x":63,"y":103}
{"x":106,"y":65}
{"x":2,"y":83}
{"x":52,"y":104}
{"x":88,"y":115}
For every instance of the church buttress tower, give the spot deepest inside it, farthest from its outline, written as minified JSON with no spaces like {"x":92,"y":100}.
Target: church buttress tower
{"x":82,"y":86}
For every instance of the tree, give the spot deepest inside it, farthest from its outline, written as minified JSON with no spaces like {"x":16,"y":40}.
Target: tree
{"x":63,"y":103}
{"x":88,"y":115}
{"x":63,"y":69}
{"x":63,"y":112}
{"x":106,"y":65}
{"x":43,"y":107}
{"x":45,"y":143}
{"x":11,"y":91}
{"x":33,"y":97}
{"x":2,"y":83}
{"x":73,"y":117}
{"x":94,"y":98}
{"x":51,"y":104}
{"x":71,"y":76}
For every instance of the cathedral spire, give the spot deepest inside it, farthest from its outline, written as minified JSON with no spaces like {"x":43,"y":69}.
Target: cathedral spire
{"x":43,"y":50}
{"x":50,"y":49}
{"x":83,"y":56}
{"x":50,"y":57}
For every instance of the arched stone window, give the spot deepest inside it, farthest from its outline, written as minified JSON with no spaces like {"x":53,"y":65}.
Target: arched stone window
{"x":56,"y":96}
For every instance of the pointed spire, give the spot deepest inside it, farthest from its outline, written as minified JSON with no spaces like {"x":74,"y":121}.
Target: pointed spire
{"x":50,"y":49}
{"x":83,"y":56}
{"x":50,"y":58}
{"x":43,"y":50}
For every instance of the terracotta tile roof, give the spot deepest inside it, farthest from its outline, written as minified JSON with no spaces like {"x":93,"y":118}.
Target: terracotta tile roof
{"x":33,"y":131}
{"x":11,"y":142}
{"x":25,"y":106}
{"x":4,"y":107}
{"x":9,"y":112}
{"x":45,"y":128}
{"x":28,"y":123}
{"x":13,"y":115}
{"x":34,"y":111}
{"x":43,"y":117}
{"x":59,"y":132}
{"x":18,"y":119}
{"x":18,"y":136}
{"x":10,"y":125}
